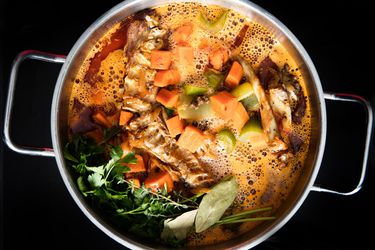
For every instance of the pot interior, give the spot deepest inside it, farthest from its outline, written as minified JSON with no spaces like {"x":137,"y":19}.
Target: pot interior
{"x":281,"y":33}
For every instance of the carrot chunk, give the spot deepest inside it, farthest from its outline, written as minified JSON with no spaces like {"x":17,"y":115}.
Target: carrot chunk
{"x":125,"y":117}
{"x":160,"y":59}
{"x":114,"y":119}
{"x":136,"y":167}
{"x":234,"y":76}
{"x":185,"y":55}
{"x":224,"y":104}
{"x":100,"y":117}
{"x":191,"y":139}
{"x":126,"y":149}
{"x":182,"y":34}
{"x":239,"y":117}
{"x":175,"y":125}
{"x":218,"y":58}
{"x":158,"y":181}
{"x":166,"y":77}
{"x":168,"y":98}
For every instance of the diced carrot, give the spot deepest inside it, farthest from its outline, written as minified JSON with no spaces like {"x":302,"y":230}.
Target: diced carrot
{"x":234,"y":76}
{"x":239,"y":117}
{"x":175,"y":125}
{"x":166,"y":77}
{"x":224,"y":104}
{"x":185,"y":55}
{"x":218,"y":58}
{"x":161,"y":59}
{"x":100,"y":117}
{"x":125,"y":117}
{"x":96,"y":134}
{"x":126,"y":149}
{"x":114,"y":119}
{"x":158,"y":181}
{"x":191,"y":139}
{"x":181,"y":34}
{"x":136,"y":167}
{"x":168,"y":98}
{"x":135,"y":182}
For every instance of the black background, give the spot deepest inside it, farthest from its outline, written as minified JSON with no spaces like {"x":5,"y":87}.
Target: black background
{"x":37,"y":211}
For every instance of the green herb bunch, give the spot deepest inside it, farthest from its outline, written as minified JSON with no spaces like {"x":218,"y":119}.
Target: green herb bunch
{"x":100,"y":178}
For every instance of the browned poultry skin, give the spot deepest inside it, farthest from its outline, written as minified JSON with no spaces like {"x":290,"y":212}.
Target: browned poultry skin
{"x":149,"y":133}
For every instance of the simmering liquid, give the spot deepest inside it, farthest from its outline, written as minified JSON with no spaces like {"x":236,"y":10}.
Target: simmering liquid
{"x":263,"y":180}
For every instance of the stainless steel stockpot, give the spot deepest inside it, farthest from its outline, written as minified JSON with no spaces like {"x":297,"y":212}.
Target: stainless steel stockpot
{"x":78,"y":53}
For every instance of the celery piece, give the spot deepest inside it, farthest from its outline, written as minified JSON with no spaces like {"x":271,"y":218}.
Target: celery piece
{"x":184,"y":101}
{"x":191,"y":113}
{"x":242,"y":91}
{"x":213,"y":78}
{"x":227,"y":137}
{"x":192,"y":90}
{"x":213,"y":26}
{"x":252,"y":130}
{"x":251,"y":103}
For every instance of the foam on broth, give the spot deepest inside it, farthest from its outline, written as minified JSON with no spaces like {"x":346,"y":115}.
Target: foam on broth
{"x":262,"y":181}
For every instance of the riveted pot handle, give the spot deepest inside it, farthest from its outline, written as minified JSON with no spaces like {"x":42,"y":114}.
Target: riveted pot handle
{"x":366,"y":105}
{"x":27,"y":54}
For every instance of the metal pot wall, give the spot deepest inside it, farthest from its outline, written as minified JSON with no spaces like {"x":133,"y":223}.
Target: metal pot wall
{"x":119,"y":12}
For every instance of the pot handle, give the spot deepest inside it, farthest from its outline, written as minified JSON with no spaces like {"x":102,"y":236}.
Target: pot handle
{"x":27,"y":54}
{"x":367,"y":106}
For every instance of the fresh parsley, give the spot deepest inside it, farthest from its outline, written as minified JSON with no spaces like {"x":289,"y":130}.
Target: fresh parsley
{"x":99,"y":171}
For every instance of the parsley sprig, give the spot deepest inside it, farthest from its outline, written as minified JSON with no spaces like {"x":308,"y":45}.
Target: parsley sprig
{"x":100,"y":178}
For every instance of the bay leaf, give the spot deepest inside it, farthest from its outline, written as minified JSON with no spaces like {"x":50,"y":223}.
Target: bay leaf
{"x":214,"y":204}
{"x":179,"y":227}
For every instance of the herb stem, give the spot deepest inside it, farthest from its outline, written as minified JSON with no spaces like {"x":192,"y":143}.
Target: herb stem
{"x":240,"y":217}
{"x":193,"y":197}
{"x":162,"y":196}
{"x":220,"y":222}
{"x":109,"y":171}
{"x":171,"y":201}
{"x":134,"y":211}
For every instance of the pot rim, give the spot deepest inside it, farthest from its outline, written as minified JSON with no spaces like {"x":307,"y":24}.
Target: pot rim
{"x":58,"y":148}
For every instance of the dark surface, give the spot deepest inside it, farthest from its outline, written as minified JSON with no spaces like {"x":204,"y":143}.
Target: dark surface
{"x":37,"y":211}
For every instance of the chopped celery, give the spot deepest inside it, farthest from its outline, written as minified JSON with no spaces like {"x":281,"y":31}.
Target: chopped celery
{"x":185,"y":100}
{"x":191,"y":113}
{"x":227,"y":137}
{"x":242,"y":91}
{"x":214,"y":79}
{"x":251,"y":103}
{"x":192,"y":90}
{"x":213,"y":26}
{"x":251,"y":131}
